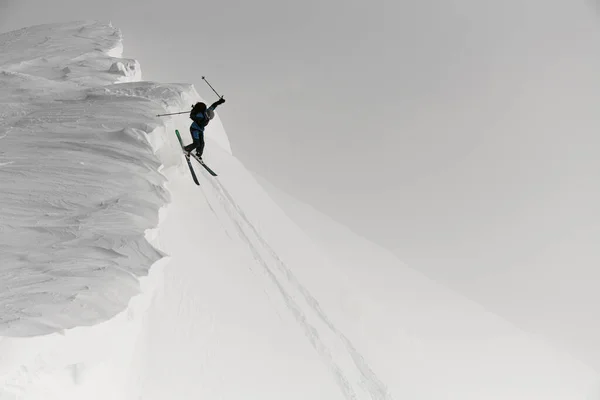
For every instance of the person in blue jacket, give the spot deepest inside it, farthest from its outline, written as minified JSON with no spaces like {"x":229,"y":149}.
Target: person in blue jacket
{"x":201,"y":117}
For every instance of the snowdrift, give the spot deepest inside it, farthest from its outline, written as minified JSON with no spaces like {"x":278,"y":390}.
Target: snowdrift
{"x":122,"y":279}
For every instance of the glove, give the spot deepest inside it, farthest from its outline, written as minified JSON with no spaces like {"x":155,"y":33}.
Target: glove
{"x":221,"y":101}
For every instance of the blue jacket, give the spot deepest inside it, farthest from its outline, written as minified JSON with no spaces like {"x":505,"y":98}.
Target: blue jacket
{"x":201,"y":120}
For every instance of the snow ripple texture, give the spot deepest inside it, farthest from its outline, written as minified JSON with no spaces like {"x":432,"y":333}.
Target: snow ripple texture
{"x":79,"y":178}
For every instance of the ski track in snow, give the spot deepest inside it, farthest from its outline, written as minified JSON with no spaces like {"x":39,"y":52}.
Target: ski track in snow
{"x":353,"y":375}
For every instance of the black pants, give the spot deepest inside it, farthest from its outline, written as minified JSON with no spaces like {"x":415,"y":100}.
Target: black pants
{"x":198,"y":143}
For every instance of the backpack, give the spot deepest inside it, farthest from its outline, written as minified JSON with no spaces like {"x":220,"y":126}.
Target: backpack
{"x":197,"y":108}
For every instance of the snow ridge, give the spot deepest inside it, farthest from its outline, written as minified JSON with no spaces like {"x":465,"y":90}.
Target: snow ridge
{"x":79,"y":179}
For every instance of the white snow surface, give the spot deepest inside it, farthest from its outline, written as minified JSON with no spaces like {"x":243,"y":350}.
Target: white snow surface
{"x":122,"y":279}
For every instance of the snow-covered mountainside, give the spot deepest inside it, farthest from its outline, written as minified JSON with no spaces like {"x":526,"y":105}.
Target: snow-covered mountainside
{"x":122,"y":279}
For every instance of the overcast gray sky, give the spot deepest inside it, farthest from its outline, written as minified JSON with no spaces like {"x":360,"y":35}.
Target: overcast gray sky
{"x":460,"y":134}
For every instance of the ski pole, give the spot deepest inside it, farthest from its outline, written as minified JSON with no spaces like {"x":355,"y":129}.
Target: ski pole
{"x":162,"y":115}
{"x":213,"y":89}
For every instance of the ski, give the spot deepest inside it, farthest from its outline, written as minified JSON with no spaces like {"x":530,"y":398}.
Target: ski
{"x":206,"y":167}
{"x":187,"y":158}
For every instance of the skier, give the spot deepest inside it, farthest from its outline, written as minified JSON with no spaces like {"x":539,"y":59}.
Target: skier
{"x":201,"y":117}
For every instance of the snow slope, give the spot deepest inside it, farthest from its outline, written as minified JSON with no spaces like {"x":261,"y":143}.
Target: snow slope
{"x":122,"y":279}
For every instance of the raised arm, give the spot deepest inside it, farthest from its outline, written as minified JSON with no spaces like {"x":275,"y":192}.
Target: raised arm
{"x":217,"y":103}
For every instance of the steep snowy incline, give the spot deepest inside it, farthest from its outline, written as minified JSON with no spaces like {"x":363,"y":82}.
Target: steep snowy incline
{"x":254,"y":302}
{"x":227,"y":263}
